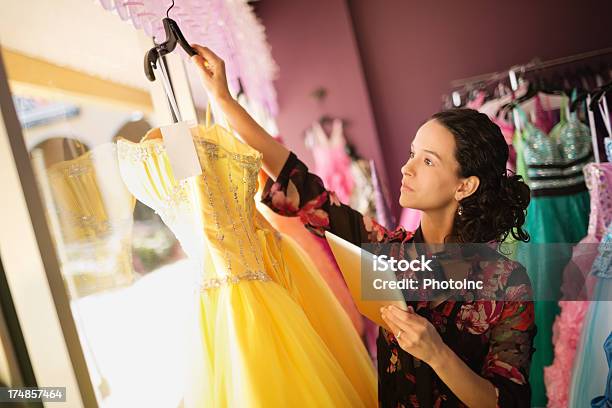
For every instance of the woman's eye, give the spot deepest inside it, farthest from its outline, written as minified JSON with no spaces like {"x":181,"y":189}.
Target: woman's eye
{"x":428,"y":162}
{"x":411,"y":155}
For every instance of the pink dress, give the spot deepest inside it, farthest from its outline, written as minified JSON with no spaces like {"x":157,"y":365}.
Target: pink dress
{"x":332,"y":162}
{"x":410,"y":219}
{"x":341,"y":175}
{"x":578,"y":283}
{"x":507,"y":129}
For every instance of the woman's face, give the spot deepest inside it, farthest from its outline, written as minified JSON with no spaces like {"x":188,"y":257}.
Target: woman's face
{"x":430,"y":178}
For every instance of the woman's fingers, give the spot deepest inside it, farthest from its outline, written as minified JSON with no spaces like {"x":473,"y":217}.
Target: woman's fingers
{"x":397,"y":321}
{"x":205,"y":59}
{"x":212,"y":69}
{"x":210,"y":57}
{"x":393,"y":326}
{"x":406,"y":317}
{"x":201,"y":63}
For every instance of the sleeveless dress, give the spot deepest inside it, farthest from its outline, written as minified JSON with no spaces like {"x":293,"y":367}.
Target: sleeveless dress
{"x":91,"y":220}
{"x":267,"y":331}
{"x":332,"y":162}
{"x":324,"y":262}
{"x":605,"y":401}
{"x":578,"y":284}
{"x":590,"y":369}
{"x":558,"y":213}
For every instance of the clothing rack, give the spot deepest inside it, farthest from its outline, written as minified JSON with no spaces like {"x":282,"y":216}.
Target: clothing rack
{"x":534,"y":65}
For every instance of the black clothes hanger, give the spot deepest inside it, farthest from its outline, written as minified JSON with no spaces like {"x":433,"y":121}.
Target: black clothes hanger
{"x":599,"y":94}
{"x":532,"y":91}
{"x":538,"y":84}
{"x":173,"y":36}
{"x":240,"y":88}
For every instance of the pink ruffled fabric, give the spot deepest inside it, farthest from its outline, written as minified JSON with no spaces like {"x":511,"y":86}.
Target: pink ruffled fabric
{"x":230,"y":28}
{"x":477,"y":102}
{"x":332,"y":162}
{"x":566,"y":336}
{"x":578,"y":283}
{"x":333,"y":165}
{"x":410,"y":219}
{"x":507,"y":129}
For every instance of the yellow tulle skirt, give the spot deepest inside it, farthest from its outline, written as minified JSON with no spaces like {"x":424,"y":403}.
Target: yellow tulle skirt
{"x":280,"y":343}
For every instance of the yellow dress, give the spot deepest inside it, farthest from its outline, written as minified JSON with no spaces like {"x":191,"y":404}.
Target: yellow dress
{"x":92,"y":219}
{"x":270,"y":332}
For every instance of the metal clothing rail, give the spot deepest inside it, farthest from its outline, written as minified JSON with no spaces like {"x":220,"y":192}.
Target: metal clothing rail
{"x":534,"y":65}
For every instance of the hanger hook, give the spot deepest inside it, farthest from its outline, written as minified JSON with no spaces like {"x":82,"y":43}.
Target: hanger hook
{"x":169,"y":8}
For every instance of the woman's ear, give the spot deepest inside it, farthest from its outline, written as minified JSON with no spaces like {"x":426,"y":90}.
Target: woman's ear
{"x":467,"y":187}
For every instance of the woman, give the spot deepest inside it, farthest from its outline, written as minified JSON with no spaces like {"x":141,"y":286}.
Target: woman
{"x":438,"y":354}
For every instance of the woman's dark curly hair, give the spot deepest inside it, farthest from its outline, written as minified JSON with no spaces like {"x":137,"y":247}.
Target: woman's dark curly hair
{"x":497,"y":208}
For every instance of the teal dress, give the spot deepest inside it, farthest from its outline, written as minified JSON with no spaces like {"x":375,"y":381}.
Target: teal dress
{"x":558,"y":213}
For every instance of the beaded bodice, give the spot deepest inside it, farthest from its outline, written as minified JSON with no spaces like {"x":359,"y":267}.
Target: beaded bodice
{"x":598,"y":177}
{"x":555,"y":160}
{"x":601,"y":175}
{"x":212,"y":214}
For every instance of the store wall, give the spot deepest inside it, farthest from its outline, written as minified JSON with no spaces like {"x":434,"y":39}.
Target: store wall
{"x":314,"y":45}
{"x":410,"y":51}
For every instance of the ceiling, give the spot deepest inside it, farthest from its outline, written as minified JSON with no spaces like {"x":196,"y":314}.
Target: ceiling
{"x":77,"y":34}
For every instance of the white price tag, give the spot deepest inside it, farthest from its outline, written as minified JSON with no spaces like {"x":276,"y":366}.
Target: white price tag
{"x":181,"y":150}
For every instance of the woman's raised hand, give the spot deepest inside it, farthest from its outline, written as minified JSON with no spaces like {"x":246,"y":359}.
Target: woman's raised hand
{"x":212,"y":72}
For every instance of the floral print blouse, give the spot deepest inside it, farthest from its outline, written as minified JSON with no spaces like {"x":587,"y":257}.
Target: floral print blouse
{"x":494,"y":338}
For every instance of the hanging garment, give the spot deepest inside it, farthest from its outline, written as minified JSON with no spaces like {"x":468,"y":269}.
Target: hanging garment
{"x":332,"y":162}
{"x":590,"y":370}
{"x":507,"y":130}
{"x":518,"y":144}
{"x":578,"y":283}
{"x":384,"y":215}
{"x":557,"y":213}
{"x":410,"y":219}
{"x":350,"y":177}
{"x":325,"y":263}
{"x":363,"y":196}
{"x":93,"y":224}
{"x":602,"y":131}
{"x":478,"y":101}
{"x":605,"y":401}
{"x":267,"y":330}
{"x":545,"y":118}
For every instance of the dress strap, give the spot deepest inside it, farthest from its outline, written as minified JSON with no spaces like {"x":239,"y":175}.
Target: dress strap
{"x":521,"y":120}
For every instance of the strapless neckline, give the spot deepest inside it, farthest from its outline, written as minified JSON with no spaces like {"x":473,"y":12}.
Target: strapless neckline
{"x":200,"y":138}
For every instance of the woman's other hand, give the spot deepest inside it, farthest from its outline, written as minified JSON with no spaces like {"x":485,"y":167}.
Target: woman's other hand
{"x":212,"y":72}
{"x":415,"y":334}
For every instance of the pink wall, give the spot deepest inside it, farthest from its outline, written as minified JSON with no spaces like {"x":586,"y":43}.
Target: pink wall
{"x":314,"y":45}
{"x":409,"y":52}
